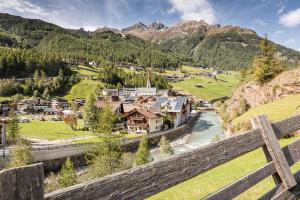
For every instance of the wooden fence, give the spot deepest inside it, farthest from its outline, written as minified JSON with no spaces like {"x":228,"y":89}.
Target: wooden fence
{"x":144,"y":181}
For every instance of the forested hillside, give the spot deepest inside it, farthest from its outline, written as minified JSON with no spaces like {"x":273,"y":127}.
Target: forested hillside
{"x":108,"y":47}
{"x":227,"y":47}
{"x":34,"y":44}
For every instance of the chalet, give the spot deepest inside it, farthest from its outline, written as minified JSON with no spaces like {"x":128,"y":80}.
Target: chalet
{"x":179,"y":108}
{"x":144,"y":121}
{"x":146,"y":91}
{"x":145,"y":101}
{"x":128,"y":107}
{"x":59,"y":105}
{"x":33,"y":105}
{"x":116,"y":106}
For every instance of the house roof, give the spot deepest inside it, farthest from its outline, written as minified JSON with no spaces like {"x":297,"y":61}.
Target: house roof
{"x":114,"y":104}
{"x":150,"y":114}
{"x":170,"y":104}
{"x":129,"y":107}
{"x":147,"y":90}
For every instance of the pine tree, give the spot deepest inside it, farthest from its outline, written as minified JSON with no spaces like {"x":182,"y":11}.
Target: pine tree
{"x":46,"y":94}
{"x":67,"y":175}
{"x":105,"y":157}
{"x":13,"y":128}
{"x":91,"y":113}
{"x":142,"y":155}
{"x":265,"y":66}
{"x":165,"y":148}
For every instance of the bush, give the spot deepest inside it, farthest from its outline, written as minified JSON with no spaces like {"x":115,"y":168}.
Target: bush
{"x":165,"y":148}
{"x":20,"y":154}
{"x":67,"y":175}
{"x":142,"y":156}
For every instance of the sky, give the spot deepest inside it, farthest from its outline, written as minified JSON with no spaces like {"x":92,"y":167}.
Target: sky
{"x":280,"y":19}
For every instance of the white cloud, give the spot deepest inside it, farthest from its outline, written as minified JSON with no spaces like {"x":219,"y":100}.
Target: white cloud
{"x":291,"y":19}
{"x":194,"y":10}
{"x":260,"y":22}
{"x":290,"y":41}
{"x":59,"y":12}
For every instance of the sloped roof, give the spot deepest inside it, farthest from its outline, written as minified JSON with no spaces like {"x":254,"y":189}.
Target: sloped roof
{"x":170,"y":104}
{"x":150,"y":114}
{"x":146,"y":90}
{"x":114,"y":104}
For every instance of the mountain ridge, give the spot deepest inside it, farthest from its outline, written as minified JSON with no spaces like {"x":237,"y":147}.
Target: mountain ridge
{"x":223,"y":47}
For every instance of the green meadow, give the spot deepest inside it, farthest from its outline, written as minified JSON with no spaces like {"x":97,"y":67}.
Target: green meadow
{"x":275,"y":110}
{"x":213,"y":180}
{"x":209,"y":88}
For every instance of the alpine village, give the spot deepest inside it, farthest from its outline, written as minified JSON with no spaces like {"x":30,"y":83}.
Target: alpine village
{"x":192,"y":110}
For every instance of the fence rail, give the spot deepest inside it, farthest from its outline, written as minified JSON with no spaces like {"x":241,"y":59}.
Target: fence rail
{"x":144,"y":181}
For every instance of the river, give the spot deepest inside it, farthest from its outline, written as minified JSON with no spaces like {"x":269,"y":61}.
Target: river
{"x":206,"y":128}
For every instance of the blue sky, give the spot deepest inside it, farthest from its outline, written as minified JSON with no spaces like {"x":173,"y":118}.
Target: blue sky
{"x":280,"y":19}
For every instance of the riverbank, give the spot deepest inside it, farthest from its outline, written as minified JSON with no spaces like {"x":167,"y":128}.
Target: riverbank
{"x":205,"y":129}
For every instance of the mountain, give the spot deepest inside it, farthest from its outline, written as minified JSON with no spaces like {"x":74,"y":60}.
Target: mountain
{"x":227,"y":47}
{"x":107,"y":46}
{"x":189,"y":42}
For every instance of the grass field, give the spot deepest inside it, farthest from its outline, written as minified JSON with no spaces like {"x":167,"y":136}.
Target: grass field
{"x":51,"y":130}
{"x":82,"y":89}
{"x":209,"y":182}
{"x":211,"y":89}
{"x":187,"y":69}
{"x":276,"y":110}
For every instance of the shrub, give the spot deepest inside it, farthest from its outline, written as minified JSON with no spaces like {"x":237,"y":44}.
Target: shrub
{"x":20,"y":154}
{"x":165,"y":148}
{"x":142,"y":155}
{"x":67,"y":175}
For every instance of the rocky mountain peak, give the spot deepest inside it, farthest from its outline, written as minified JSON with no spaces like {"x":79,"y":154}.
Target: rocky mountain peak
{"x":157,"y":26}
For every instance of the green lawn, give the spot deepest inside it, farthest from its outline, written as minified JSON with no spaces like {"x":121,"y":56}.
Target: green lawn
{"x":276,"y":110}
{"x":51,"y":130}
{"x":209,"y":182}
{"x":188,"y":69}
{"x":211,"y":89}
{"x":82,"y":89}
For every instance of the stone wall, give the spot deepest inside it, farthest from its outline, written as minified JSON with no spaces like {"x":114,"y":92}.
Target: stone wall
{"x":130,"y":145}
{"x":22,"y":183}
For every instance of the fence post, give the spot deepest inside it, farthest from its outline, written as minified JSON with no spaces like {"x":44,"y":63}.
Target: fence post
{"x":268,"y":157}
{"x":275,"y":151}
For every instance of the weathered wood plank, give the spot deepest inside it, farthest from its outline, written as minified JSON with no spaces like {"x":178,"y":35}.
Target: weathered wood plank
{"x":275,"y":151}
{"x":268,"y":157}
{"x":152,"y":178}
{"x":279,"y":192}
{"x":286,"y":126}
{"x":292,"y":153}
{"x":234,"y":189}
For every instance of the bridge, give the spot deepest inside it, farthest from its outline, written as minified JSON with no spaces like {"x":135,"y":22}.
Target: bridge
{"x":144,"y":181}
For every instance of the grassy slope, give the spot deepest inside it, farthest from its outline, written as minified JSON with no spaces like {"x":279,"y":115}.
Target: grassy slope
{"x":212,"y":89}
{"x":207,"y":183}
{"x":51,"y":130}
{"x":82,"y":89}
{"x":276,"y":110}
